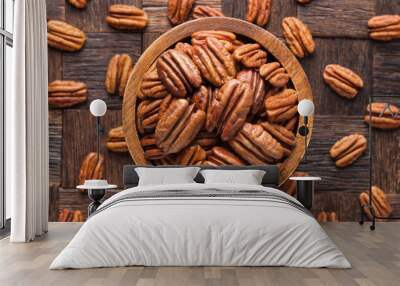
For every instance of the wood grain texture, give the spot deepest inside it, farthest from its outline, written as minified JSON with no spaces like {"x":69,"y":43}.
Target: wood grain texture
{"x":331,"y":51}
{"x":386,"y":71}
{"x":339,"y":18}
{"x":53,"y":201}
{"x":90,"y":64}
{"x":235,"y":8}
{"x":148,"y":38}
{"x":56,"y":9}
{"x":387,"y":7}
{"x":280,"y":10}
{"x":55,"y":59}
{"x":55,"y":146}
{"x":79,"y":138}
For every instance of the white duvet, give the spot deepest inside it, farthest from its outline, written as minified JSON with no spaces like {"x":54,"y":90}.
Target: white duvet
{"x":200,"y":231}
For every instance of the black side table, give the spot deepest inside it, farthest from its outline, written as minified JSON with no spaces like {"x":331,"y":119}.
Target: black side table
{"x":305,"y":190}
{"x":96,"y":192}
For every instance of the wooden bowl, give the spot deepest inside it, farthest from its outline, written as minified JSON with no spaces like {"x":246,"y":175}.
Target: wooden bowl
{"x":271,"y":43}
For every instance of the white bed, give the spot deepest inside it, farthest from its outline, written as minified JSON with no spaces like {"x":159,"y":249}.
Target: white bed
{"x":138,"y":227}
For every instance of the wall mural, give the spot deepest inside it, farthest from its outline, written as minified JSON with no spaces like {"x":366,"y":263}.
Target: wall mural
{"x":226,"y":99}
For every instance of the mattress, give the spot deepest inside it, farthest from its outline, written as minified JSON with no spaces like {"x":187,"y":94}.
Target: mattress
{"x":201,"y":225}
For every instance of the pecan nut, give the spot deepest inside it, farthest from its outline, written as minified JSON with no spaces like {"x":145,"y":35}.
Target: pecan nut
{"x":220,"y":156}
{"x":206,"y":140}
{"x":304,"y":1}
{"x":256,"y":146}
{"x":150,"y":148}
{"x":192,"y":155}
{"x":229,"y":109}
{"x":281,"y":107}
{"x":227,"y":39}
{"x":178,"y":126}
{"x":92,"y":167}
{"x":383,"y":115}
{"x":118,"y":72}
{"x":116,"y":140}
{"x":380,"y":204}
{"x":343,"y":81}
{"x":178,"y":73}
{"x":78,"y":3}
{"x":284,"y":136}
{"x":67,"y":215}
{"x":298,"y":37}
{"x":274,"y":74}
{"x":152,"y":86}
{"x":384,"y":27}
{"x":149,"y":112}
{"x":257,"y":86}
{"x":348,"y":149}
{"x":323,"y":217}
{"x":203,"y":11}
{"x":179,"y":10}
{"x":250,"y":55}
{"x":258,"y":11}
{"x":126,"y":17}
{"x":185,"y":47}
{"x":65,"y":37}
{"x":65,"y":93}
{"x":214,"y":61}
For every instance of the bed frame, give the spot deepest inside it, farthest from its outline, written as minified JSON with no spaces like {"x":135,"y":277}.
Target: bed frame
{"x":271,"y":177}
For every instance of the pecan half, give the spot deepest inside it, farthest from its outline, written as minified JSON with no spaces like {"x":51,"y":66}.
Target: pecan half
{"x":206,"y":140}
{"x":149,"y":112}
{"x":118,"y":72}
{"x":185,"y":47}
{"x":178,"y":73}
{"x":250,"y":55}
{"x":152,"y":86}
{"x":258,"y":11}
{"x":348,"y":149}
{"x":178,"y":126}
{"x":116,"y":140}
{"x":343,"y":81}
{"x":126,"y":17}
{"x":78,"y":3}
{"x":229,"y":109}
{"x":92,"y":167}
{"x":220,"y":156}
{"x":384,"y":27}
{"x":65,"y":37}
{"x":384,"y":116}
{"x":192,"y":155}
{"x":150,"y":148}
{"x":274,"y":74}
{"x":227,"y":39}
{"x":179,"y":10}
{"x":304,"y":1}
{"x":284,"y":136}
{"x":203,"y":11}
{"x":323,"y":217}
{"x":65,"y":93}
{"x":380,"y":204}
{"x":257,"y":86}
{"x":282,"y":106}
{"x":256,"y":146}
{"x":298,"y":37}
{"x":214,"y":61}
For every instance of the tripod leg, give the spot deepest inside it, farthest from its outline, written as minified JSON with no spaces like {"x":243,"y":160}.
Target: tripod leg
{"x":361,"y":222}
{"x":372,"y":226}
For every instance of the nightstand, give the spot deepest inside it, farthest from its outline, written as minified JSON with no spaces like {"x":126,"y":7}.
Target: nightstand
{"x":96,"y":192}
{"x":305,"y":190}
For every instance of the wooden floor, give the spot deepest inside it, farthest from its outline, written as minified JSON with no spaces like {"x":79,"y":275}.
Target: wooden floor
{"x":375,"y":257}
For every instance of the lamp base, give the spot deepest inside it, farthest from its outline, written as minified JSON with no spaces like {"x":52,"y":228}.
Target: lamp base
{"x":303,"y":130}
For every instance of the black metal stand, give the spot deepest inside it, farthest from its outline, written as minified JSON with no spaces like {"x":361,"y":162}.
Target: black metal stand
{"x":96,"y":196}
{"x":305,"y":193}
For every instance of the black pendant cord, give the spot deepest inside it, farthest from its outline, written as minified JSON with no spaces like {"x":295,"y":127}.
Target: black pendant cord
{"x":98,"y":137}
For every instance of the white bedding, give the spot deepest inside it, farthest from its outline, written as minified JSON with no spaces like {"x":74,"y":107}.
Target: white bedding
{"x":185,"y":231}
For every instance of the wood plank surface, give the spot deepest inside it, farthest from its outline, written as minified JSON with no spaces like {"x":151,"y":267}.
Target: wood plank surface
{"x":53,"y":202}
{"x":235,"y":8}
{"x":55,"y":9}
{"x":55,"y":145}
{"x":159,"y":22}
{"x":280,"y":10}
{"x":387,"y":7}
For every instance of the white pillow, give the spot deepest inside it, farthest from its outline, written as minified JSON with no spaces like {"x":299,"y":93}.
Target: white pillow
{"x":247,"y":177}
{"x":166,"y":176}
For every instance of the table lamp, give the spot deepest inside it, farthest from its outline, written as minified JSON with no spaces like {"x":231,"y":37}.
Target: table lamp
{"x":98,"y":108}
{"x":305,"y":109}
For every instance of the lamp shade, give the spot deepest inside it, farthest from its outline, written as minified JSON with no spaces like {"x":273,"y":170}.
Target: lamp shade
{"x":98,"y":107}
{"x":305,"y":107}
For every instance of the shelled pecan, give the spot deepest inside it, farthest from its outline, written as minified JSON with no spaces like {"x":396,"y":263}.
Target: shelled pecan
{"x":152,"y":86}
{"x":116,"y":140}
{"x":250,"y":55}
{"x":80,"y":4}
{"x":178,"y":126}
{"x":258,"y":11}
{"x":192,"y":155}
{"x":126,"y":17}
{"x":290,"y":186}
{"x":291,"y":124}
{"x":348,"y":149}
{"x":67,"y":215}
{"x":203,"y":11}
{"x":284,"y":136}
{"x":282,"y":106}
{"x":179,"y":10}
{"x":167,"y":160}
{"x":229,"y":109}
{"x":384,"y":27}
{"x":343,"y":81}
{"x":380,"y":204}
{"x":92,"y":167}
{"x":150,"y":148}
{"x":185,"y":47}
{"x":275,"y":74}
{"x":256,"y":146}
{"x":65,"y":37}
{"x":298,"y":37}
{"x":257,"y":86}
{"x":227,"y":39}
{"x":206,"y":140}
{"x":178,"y":73}
{"x":323,"y":217}
{"x":304,"y":1}
{"x":118,"y":72}
{"x":214,"y":61}
{"x":220,"y":156}
{"x":149,"y":112}
{"x":65,"y":93}
{"x":383,"y":116}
